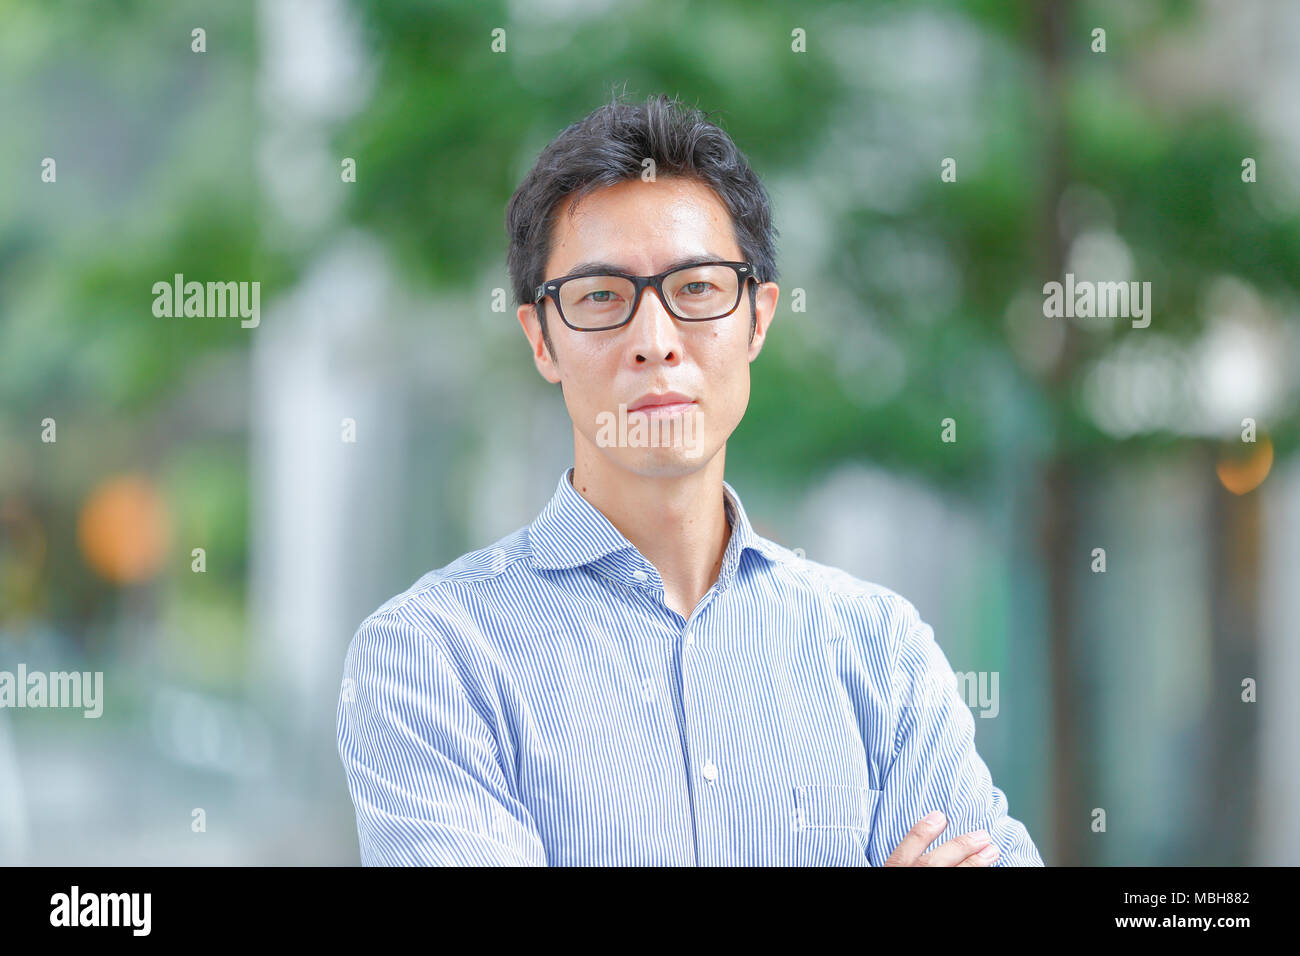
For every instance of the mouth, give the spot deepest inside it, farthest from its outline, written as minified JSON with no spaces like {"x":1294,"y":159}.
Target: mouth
{"x":661,"y":405}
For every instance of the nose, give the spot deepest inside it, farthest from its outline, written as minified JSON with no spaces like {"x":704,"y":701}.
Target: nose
{"x":654,"y":333}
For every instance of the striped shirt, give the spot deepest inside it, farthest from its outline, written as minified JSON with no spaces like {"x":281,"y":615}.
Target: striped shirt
{"x":537,"y":702}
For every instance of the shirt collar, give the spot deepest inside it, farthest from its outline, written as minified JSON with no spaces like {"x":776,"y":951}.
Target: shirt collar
{"x":571,"y":532}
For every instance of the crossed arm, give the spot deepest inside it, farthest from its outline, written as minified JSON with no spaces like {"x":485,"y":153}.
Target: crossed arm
{"x":430,"y":788}
{"x":937,"y":769}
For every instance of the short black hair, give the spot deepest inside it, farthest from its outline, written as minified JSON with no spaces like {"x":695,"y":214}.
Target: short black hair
{"x":609,"y":146}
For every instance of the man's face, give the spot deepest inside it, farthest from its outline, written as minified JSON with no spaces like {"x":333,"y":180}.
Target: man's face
{"x":643,"y":228}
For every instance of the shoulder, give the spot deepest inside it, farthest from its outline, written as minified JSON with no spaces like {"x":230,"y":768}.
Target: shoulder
{"x":436,"y":606}
{"x":835,"y":583}
{"x":863,"y":608}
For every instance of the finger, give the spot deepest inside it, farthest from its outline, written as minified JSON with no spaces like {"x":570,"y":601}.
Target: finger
{"x":917,"y":839}
{"x":985,"y":857}
{"x":955,"y":850}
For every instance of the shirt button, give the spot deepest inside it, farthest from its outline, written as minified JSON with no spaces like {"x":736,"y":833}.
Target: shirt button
{"x":640,"y":575}
{"x":710,"y":771}
{"x":690,"y":637}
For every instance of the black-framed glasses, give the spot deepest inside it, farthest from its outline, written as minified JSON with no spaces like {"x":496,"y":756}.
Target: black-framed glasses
{"x":596,"y":302}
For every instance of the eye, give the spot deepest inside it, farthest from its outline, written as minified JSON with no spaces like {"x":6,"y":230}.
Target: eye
{"x":599,"y":292}
{"x":687,"y":288}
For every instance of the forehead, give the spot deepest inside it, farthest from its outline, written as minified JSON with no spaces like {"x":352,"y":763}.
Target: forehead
{"x":642,"y":225}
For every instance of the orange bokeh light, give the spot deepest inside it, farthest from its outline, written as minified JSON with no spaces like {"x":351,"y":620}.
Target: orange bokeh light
{"x":124,"y":530}
{"x":1242,"y":475}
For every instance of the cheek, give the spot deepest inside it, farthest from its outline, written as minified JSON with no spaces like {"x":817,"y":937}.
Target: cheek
{"x":586,"y":376}
{"x":728,"y":375}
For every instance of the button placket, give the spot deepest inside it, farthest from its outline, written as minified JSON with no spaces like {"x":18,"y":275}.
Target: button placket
{"x":694,"y":744}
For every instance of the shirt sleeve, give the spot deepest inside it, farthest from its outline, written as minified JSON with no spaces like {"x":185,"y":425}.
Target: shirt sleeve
{"x":935,"y":765}
{"x":423,"y":766}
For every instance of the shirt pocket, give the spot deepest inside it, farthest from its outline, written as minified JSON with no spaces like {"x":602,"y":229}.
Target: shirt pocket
{"x":833,"y":824}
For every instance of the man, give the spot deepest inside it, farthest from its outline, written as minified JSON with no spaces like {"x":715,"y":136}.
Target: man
{"x":637,"y":677}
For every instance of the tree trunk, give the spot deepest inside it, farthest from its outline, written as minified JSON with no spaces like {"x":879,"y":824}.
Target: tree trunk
{"x":1234,"y":655}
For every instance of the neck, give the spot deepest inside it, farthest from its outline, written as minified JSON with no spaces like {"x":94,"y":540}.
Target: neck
{"x":677,"y":522}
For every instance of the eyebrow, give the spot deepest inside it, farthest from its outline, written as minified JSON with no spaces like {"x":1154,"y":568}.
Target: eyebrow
{"x":583,"y":268}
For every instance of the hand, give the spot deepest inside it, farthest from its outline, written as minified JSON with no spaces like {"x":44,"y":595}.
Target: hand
{"x":965,"y":850}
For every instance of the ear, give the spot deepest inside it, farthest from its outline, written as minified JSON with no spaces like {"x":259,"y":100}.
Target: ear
{"x":764,"y":311}
{"x":532,"y":325}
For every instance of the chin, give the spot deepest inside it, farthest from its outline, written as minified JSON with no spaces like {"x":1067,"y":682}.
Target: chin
{"x":663,"y":462}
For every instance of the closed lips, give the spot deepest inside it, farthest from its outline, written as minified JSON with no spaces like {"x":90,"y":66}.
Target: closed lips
{"x":664,"y":399}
